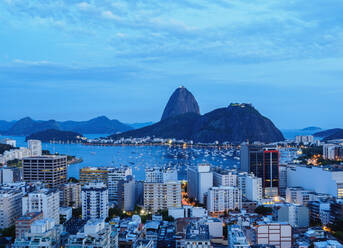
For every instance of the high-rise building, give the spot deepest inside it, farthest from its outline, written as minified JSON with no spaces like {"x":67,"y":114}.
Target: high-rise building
{"x":200,"y":179}
{"x":51,"y":170}
{"x":160,"y":175}
{"x":10,"y":175}
{"x":223,"y":198}
{"x":46,"y":201}
{"x":114,"y":176}
{"x":225,"y":178}
{"x":10,"y":207}
{"x":94,"y":201}
{"x":162,"y":196}
{"x":93,"y":175}
{"x":250,"y":186}
{"x":305,"y":139}
{"x":127,"y":194}
{"x":35,"y":146}
{"x":264,"y":163}
{"x":71,"y":195}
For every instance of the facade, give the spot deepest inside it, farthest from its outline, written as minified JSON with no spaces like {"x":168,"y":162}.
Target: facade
{"x":332,"y":152}
{"x":200,"y":179}
{"x":162,"y":196}
{"x":295,"y":215}
{"x":298,"y":195}
{"x":51,"y":170}
{"x":263,"y":162}
{"x":225,"y":178}
{"x":43,"y":233}
{"x":96,"y":234}
{"x":23,"y":223}
{"x":279,"y":235}
{"x":327,"y":181}
{"x":224,"y":198}
{"x":10,"y":207}
{"x":35,"y":146}
{"x":114,"y":176}
{"x":236,"y":237}
{"x":305,"y":139}
{"x":46,"y":201}
{"x":10,"y":174}
{"x":94,"y":198}
{"x":282,"y":180}
{"x":250,"y":186}
{"x":127,"y":194}
{"x":160,"y":175}
{"x":93,"y":175}
{"x":71,"y":195}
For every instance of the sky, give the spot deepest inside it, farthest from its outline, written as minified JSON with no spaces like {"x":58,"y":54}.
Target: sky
{"x":75,"y":59}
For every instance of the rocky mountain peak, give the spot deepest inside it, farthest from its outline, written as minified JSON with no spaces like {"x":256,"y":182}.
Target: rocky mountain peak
{"x":181,"y":101}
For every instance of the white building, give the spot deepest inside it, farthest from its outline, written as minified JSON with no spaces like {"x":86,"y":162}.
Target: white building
{"x":46,"y":201}
{"x":225,"y":178}
{"x":236,"y":237}
{"x":187,"y":212}
{"x":10,"y":207}
{"x":279,"y":235}
{"x":10,"y":142}
{"x":332,"y":151}
{"x":224,"y":198}
{"x":215,"y":227}
{"x":114,"y":176}
{"x":66,"y":213}
{"x":305,"y":139}
{"x":162,"y":196}
{"x":94,"y":197}
{"x":160,"y":175}
{"x":200,"y":179}
{"x":253,"y":188}
{"x":43,"y":233}
{"x":326,"y":181}
{"x":35,"y":147}
{"x":96,"y":234}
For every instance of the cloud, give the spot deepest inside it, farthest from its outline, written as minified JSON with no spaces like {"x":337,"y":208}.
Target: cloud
{"x":109,"y":15}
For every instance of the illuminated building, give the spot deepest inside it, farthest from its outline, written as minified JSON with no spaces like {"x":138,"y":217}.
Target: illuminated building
{"x":51,"y":170}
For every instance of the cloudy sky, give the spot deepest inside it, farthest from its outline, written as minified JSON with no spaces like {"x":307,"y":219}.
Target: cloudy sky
{"x":71,"y":59}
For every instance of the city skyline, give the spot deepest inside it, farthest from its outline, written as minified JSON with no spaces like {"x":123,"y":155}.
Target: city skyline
{"x":79,"y":59}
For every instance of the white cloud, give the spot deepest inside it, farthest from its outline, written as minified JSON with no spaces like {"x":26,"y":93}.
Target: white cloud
{"x":109,"y":15}
{"x":84,"y":6}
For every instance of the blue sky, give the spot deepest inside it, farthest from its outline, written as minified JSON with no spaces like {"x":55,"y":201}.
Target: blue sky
{"x":71,"y":59}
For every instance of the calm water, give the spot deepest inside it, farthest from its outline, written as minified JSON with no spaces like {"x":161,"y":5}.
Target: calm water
{"x":137,"y":157}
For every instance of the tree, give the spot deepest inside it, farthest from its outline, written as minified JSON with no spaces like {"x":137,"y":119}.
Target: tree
{"x":77,"y":212}
{"x":262,"y":210}
{"x":8,"y":232}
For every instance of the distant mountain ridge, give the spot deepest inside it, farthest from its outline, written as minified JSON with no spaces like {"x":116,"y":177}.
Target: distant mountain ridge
{"x":330,"y":134}
{"x":101,"y":124}
{"x":311,"y":129}
{"x":236,"y":123}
